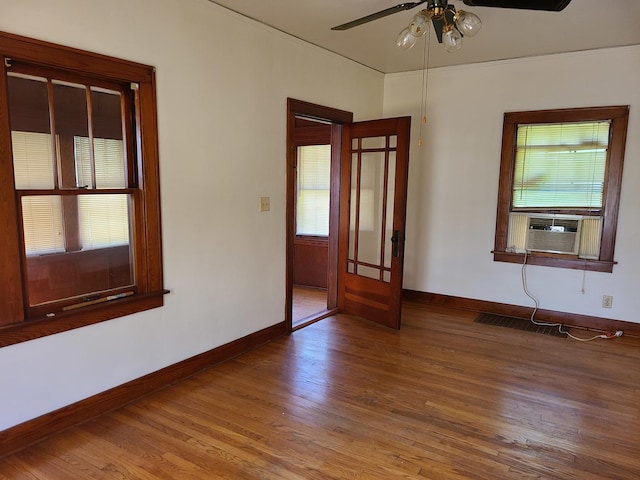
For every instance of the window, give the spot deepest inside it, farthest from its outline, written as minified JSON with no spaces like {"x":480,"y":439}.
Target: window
{"x":559,"y":189}
{"x":78,"y":159}
{"x":313,"y":188}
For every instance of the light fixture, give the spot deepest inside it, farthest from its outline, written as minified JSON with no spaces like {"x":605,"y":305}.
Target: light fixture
{"x":449,"y":25}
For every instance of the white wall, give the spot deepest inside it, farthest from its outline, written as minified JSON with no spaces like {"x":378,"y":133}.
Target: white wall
{"x":453,"y":177}
{"x":222,"y":81}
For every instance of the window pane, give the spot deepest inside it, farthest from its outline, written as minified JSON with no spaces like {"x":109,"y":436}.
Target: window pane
{"x":560,"y":165}
{"x":28,"y":103}
{"x":32,"y":160}
{"x":71,"y":119}
{"x":78,"y":274}
{"x":108,"y":145}
{"x":42,"y":224}
{"x":109,"y":162}
{"x":314,"y":179}
{"x":104,"y":220}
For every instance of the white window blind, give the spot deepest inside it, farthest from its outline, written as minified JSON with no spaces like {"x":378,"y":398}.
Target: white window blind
{"x":314,"y":179}
{"x":103,"y":219}
{"x":41,"y":215}
{"x":560,"y":165}
{"x":109,"y":162}
{"x":33,"y":165}
{"x":42,"y":224}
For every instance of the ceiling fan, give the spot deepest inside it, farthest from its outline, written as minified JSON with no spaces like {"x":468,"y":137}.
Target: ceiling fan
{"x":449,"y":25}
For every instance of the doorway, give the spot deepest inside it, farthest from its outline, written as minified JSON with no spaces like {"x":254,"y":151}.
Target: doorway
{"x":314,"y":137}
{"x":367,"y":194}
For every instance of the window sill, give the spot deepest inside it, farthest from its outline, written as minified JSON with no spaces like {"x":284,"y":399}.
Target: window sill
{"x":41,"y":327}
{"x":555,"y":260}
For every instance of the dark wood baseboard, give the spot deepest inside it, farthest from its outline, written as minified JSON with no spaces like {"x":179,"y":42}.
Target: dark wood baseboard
{"x":37,"y":429}
{"x":551,"y":316}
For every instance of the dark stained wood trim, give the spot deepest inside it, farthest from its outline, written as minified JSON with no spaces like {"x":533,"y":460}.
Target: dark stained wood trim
{"x":483,"y":306}
{"x":311,"y":241}
{"x":319,"y":112}
{"x":32,"y":329}
{"x":11,"y":300}
{"x":549,"y":260}
{"x":316,"y":135}
{"x":619,"y":116}
{"x":59,"y":56}
{"x":313,"y":111}
{"x":334,"y":217}
{"x":20,"y":322}
{"x":33,"y":431}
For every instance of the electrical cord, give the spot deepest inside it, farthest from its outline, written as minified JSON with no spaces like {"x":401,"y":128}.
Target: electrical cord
{"x":523,"y":272}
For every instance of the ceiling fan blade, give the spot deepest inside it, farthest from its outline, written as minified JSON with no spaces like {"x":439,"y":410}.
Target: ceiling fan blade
{"x":375,"y":16}
{"x":548,"y":5}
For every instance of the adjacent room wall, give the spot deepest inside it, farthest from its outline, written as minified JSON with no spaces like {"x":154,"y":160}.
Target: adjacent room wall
{"x":453,"y":177}
{"x":223,"y":81}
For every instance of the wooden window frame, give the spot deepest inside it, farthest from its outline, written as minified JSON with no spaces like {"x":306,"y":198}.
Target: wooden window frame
{"x":17,"y":322}
{"x":618,"y":115}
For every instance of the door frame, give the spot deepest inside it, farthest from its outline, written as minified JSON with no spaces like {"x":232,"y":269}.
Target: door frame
{"x":337,"y":118}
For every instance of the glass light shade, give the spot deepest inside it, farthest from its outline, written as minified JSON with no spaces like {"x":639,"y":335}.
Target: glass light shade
{"x":420,"y":24}
{"x":452,"y":39}
{"x":406,"y":39}
{"x":468,"y":23}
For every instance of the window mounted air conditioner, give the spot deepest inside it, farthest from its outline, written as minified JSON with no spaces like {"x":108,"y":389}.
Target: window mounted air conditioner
{"x":554,"y":234}
{"x":565,"y":234}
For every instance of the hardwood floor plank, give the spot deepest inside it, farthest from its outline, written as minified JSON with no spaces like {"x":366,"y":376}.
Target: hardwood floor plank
{"x":443,"y":398}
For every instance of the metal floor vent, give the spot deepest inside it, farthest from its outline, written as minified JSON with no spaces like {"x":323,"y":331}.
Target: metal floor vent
{"x":518,"y":324}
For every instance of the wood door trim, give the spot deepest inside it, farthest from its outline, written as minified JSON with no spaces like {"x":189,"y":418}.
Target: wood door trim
{"x":337,"y":117}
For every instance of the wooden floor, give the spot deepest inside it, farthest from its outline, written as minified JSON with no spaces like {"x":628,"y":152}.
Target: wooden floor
{"x":308,"y":303}
{"x":444,"y":398}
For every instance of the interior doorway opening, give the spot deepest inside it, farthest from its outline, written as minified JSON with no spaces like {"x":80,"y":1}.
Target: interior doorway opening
{"x":314,"y":136}
{"x":312,"y":213}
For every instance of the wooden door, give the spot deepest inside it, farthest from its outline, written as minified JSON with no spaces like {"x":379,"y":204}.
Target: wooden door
{"x":375,"y":161}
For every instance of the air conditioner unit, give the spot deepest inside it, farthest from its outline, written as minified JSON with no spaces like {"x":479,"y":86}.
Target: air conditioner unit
{"x":554,"y":234}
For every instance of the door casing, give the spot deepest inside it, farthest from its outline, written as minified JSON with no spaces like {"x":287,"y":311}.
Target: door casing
{"x":337,"y":118}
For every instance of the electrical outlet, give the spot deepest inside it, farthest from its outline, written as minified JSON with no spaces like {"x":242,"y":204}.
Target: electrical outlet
{"x":607,"y":301}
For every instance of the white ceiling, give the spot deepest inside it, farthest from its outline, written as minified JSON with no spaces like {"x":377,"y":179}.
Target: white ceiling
{"x":506,"y":33}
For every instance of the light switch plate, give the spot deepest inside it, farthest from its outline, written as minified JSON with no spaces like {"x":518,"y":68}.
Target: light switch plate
{"x":265,"y":204}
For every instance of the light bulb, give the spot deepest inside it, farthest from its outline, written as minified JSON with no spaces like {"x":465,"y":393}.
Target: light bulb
{"x":451,"y":39}
{"x":420,"y":24}
{"x":406,"y":39}
{"x":468,"y":23}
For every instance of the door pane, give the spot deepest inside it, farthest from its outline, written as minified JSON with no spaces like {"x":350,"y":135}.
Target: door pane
{"x":371,"y":208}
{"x":374,"y":142}
{"x":353,"y":207}
{"x":369,"y":272}
{"x":391,"y":182}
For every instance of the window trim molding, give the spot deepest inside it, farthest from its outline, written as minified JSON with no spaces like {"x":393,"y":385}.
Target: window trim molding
{"x":619,"y":116}
{"x":15,"y":326}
